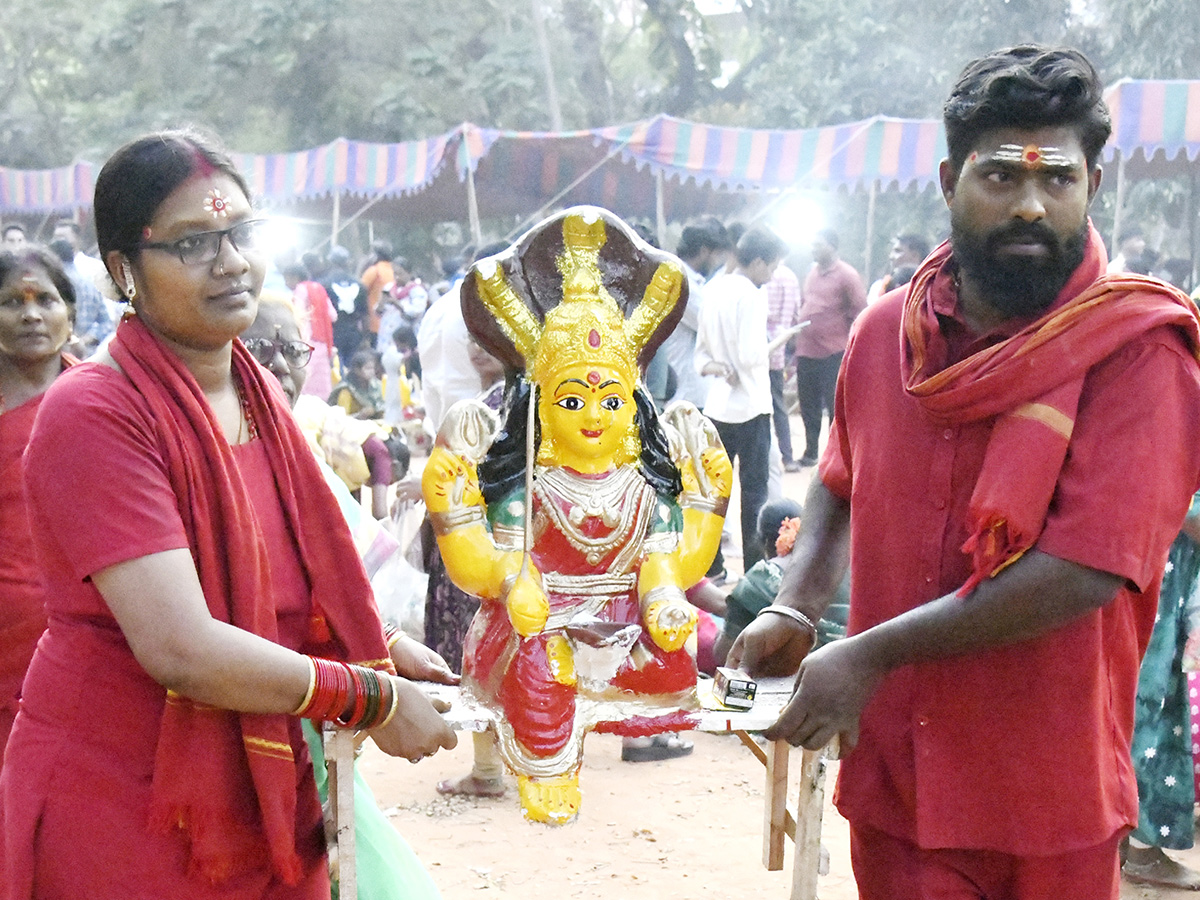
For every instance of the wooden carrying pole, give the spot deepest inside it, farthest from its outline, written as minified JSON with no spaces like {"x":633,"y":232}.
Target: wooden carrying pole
{"x":339,"y":763}
{"x":806,"y":862}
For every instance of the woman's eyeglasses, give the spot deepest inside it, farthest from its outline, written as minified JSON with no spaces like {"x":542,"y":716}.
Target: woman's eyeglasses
{"x":296,"y":353}
{"x":203,"y":247}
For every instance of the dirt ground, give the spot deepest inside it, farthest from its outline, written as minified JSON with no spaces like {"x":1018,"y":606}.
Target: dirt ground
{"x":683,"y":829}
{"x":676,"y":830}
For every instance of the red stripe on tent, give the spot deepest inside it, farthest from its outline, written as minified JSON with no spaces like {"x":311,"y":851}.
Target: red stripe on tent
{"x":341,"y":164}
{"x":475,"y":148}
{"x":760,"y":143}
{"x":889,"y":149}
{"x":790,"y":157}
{"x":856,"y":153}
{"x":638,"y":136}
{"x":420,"y":164}
{"x":1154,"y":97}
{"x":824,"y":152}
{"x":729,"y":148}
{"x":1191,"y":128}
{"x":700,"y":135}
{"x":676,"y":144}
{"x":926,"y":161}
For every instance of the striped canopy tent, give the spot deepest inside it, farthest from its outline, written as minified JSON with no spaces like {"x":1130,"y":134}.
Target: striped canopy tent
{"x":883,"y":151}
{"x":660,"y":169}
{"x":343,"y":180}
{"x":349,"y":168}
{"x":1156,"y":134}
{"x":671,"y":169}
{"x":46,"y":190}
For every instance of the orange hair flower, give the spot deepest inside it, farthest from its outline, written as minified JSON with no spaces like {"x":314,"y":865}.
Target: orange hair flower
{"x":788,"y":529}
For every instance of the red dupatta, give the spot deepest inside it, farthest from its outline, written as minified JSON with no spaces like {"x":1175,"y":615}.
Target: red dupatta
{"x":1030,"y":383}
{"x":320,"y":317}
{"x":210,"y":761}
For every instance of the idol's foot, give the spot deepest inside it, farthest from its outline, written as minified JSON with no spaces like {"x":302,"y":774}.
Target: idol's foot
{"x":553,"y":799}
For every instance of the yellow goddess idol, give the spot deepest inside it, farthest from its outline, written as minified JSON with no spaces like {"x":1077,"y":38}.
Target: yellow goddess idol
{"x":581,"y":522}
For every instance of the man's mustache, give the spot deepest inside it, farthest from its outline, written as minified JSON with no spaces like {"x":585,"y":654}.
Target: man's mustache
{"x":1024,"y":232}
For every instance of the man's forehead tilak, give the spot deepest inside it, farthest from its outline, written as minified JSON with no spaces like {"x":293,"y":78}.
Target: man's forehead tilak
{"x":1029,"y":156}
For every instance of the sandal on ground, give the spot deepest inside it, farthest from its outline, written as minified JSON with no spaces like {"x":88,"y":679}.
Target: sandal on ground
{"x":470,"y":786}
{"x":654,"y":749}
{"x":1151,"y":866}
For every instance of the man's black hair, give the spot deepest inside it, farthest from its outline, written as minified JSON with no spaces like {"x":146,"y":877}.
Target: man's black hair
{"x":694,"y":240}
{"x":760,"y":243}
{"x":1027,"y":87}
{"x":830,"y":237}
{"x":917,"y":243}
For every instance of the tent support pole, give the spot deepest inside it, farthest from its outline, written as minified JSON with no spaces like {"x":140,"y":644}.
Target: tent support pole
{"x":337,"y":215}
{"x":872,"y":192}
{"x":660,"y":214}
{"x":473,"y":209}
{"x":1117,"y":213}
{"x":1193,"y":212}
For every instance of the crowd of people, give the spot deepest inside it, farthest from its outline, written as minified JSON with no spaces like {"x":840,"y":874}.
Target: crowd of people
{"x":996,"y":517}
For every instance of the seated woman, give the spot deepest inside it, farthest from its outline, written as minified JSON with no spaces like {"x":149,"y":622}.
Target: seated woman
{"x":203,"y":595}
{"x":580,"y":531}
{"x":778,"y":524}
{"x":360,"y":393}
{"x":37,"y":302}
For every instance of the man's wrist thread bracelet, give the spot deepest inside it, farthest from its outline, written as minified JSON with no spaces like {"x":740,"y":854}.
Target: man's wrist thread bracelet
{"x":794,"y":614}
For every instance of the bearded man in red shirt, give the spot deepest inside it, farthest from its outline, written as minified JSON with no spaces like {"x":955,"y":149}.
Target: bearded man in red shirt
{"x":1016,"y":440}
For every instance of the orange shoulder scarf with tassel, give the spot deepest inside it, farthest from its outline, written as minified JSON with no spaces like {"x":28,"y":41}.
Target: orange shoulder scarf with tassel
{"x":1030,"y":383}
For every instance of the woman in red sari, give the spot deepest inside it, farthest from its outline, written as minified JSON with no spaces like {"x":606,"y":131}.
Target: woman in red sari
{"x":202,"y":595}
{"x":37,"y":303}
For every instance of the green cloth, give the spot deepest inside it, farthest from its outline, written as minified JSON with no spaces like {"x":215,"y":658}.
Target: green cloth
{"x":387,"y":868}
{"x":1162,"y":738}
{"x":758,"y":590}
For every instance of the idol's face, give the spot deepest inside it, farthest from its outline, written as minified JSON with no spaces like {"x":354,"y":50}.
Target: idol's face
{"x":1018,"y":215}
{"x":588,"y":414}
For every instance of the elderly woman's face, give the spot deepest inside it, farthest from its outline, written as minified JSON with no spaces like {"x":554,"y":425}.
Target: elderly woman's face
{"x":199,"y":305}
{"x":35,"y":321}
{"x":275,"y":325}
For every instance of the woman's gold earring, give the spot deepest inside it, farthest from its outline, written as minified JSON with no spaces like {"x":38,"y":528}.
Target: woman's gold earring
{"x":127,"y":274}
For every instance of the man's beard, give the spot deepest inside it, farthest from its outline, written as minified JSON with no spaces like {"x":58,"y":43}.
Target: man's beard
{"x":1018,"y":286}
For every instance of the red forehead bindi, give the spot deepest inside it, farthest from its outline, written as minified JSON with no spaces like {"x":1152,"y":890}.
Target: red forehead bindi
{"x":593,"y":378}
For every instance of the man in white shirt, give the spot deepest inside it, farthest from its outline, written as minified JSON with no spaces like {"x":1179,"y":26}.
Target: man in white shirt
{"x":732,"y":345}
{"x":701,"y":249}
{"x":443,"y":343}
{"x":88,"y":266}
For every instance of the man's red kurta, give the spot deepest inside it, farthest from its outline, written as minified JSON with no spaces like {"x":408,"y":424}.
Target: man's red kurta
{"x":1025,"y":748}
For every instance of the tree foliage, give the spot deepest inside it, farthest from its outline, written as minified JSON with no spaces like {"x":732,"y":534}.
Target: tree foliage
{"x":286,"y":74}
